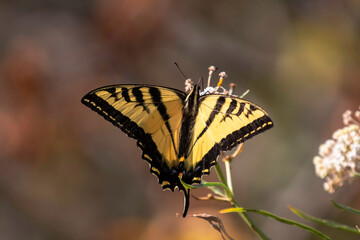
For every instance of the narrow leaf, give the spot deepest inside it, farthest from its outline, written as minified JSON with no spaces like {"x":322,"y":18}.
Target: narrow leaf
{"x":345,"y":208}
{"x":186,"y":185}
{"x":325,"y":222}
{"x":245,"y":93}
{"x":280,"y":219}
{"x":207,"y":184}
{"x":216,"y":190}
{"x":230,"y":210}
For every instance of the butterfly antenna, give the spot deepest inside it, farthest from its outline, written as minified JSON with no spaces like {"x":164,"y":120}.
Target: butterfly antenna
{"x":182,"y":73}
{"x":200,"y":80}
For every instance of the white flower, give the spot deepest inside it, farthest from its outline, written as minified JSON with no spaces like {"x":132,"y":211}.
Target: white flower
{"x":339,"y":158}
{"x":209,"y":89}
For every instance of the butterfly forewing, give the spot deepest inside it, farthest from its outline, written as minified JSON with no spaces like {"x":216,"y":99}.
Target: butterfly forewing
{"x":150,"y":114}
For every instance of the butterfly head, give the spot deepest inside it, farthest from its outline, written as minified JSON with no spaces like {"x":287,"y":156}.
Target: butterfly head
{"x":193,"y":93}
{"x":195,"y":88}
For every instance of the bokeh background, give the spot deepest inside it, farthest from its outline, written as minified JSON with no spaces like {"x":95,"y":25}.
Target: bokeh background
{"x":66,"y":173}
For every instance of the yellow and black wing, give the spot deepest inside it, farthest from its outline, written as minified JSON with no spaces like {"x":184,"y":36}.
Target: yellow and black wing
{"x":222,"y":123}
{"x":150,"y":114}
{"x":180,"y":134}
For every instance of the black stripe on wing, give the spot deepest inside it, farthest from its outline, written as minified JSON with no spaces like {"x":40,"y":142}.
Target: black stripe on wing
{"x":228,"y":143}
{"x":219,"y":103}
{"x":157,"y":101}
{"x":139,"y":98}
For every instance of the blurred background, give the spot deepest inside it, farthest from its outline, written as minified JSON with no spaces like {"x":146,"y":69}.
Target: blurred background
{"x":66,"y":173}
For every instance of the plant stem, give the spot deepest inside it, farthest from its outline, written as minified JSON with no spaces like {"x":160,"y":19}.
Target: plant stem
{"x":219,"y":173}
{"x":249,"y":222}
{"x":228,"y":175}
{"x":233,"y":201}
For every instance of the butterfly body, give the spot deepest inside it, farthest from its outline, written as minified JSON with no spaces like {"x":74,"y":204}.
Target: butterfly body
{"x":181,"y":135}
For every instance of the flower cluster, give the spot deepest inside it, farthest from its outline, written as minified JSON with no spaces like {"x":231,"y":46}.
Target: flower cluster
{"x":209,"y":89}
{"x":339,"y":157}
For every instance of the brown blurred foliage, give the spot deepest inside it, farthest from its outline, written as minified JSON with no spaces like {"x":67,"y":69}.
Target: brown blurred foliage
{"x":24,"y":122}
{"x":131,"y":27}
{"x":65,"y":173}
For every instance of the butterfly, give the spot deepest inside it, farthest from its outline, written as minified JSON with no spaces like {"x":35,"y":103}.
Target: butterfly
{"x":180,"y":134}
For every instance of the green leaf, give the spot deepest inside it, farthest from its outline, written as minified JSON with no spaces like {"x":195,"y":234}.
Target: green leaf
{"x":280,"y":219}
{"x":231,"y":210}
{"x":187,"y":185}
{"x":325,"y":222}
{"x":208,"y":185}
{"x":216,"y":190}
{"x":345,"y":208}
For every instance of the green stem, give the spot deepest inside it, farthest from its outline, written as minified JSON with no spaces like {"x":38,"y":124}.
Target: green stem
{"x":219,"y":173}
{"x":249,"y":222}
{"x":280,"y":219}
{"x":233,"y":201}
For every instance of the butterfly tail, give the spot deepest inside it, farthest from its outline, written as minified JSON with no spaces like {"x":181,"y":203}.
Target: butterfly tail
{"x":186,"y":200}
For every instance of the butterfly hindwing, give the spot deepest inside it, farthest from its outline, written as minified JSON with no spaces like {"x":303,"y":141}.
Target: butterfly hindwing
{"x":151,"y":115}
